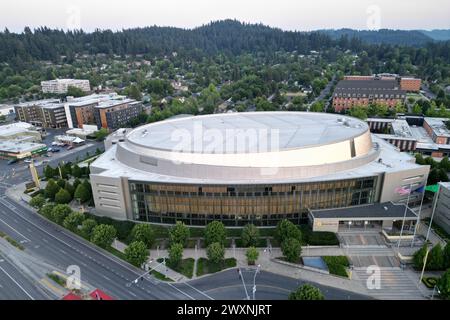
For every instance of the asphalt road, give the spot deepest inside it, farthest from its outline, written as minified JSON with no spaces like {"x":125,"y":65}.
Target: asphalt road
{"x":14,"y":285}
{"x":269,"y":286}
{"x":58,"y":247}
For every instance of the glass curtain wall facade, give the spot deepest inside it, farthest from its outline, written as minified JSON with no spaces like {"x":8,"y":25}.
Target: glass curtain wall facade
{"x":237,"y":205}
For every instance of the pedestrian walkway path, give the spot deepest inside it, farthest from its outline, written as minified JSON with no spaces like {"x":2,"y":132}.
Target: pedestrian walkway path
{"x":394,"y":284}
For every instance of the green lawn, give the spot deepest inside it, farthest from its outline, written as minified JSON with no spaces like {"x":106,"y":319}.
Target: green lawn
{"x":160,"y":276}
{"x":204,"y":266}
{"x":185,"y":267}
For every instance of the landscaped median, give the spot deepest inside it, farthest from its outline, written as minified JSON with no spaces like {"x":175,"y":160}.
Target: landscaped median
{"x":11,"y":241}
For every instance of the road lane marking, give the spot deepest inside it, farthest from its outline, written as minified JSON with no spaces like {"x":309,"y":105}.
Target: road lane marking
{"x":190,"y":297}
{"x":15,"y":231}
{"x":201,"y":292}
{"x":17,"y":284}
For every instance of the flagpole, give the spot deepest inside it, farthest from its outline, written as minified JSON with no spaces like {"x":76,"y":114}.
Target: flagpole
{"x":434,"y":209}
{"x":404,"y":216}
{"x":418,"y":217}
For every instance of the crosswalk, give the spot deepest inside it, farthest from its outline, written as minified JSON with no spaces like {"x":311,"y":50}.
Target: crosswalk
{"x":395,"y":284}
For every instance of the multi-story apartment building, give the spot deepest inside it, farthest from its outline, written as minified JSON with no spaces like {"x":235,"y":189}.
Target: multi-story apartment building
{"x":60,"y":86}
{"x":80,"y":111}
{"x":350,"y":93}
{"x":42,"y":113}
{"x":117,"y":113}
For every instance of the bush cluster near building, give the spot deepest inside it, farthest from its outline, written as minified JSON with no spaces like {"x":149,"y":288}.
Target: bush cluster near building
{"x":438,"y":258}
{"x":337,"y":265}
{"x":439,"y":170}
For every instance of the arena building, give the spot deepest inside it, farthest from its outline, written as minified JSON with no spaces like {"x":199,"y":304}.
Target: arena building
{"x":255,"y":167}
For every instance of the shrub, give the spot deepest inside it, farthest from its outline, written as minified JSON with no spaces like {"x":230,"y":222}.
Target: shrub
{"x":446,"y":255}
{"x":306,"y":292}
{"x":137,"y":253}
{"x":291,"y":249}
{"x":215,"y":232}
{"x":215,"y":252}
{"x":103,"y":235}
{"x":250,"y":235}
{"x":337,"y":264}
{"x":143,"y":232}
{"x":179,"y":233}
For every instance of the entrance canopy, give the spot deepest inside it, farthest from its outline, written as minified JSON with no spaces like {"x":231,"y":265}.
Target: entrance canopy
{"x":386,"y":213}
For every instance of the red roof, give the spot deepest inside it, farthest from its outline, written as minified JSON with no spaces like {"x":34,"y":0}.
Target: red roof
{"x":71,"y":296}
{"x":98,"y":294}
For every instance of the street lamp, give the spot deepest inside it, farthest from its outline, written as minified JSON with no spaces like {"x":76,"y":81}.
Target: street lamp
{"x":254,"y":280}
{"x":435,"y":288}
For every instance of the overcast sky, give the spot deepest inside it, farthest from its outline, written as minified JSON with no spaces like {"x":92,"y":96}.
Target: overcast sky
{"x":285,"y":14}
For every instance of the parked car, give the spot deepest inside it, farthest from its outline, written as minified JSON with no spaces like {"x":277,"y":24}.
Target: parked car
{"x":12,"y":161}
{"x":69,"y":147}
{"x":55,"y":150}
{"x":28,"y":160}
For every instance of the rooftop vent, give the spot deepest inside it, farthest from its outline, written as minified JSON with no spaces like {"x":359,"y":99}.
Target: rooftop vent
{"x":385,"y":208}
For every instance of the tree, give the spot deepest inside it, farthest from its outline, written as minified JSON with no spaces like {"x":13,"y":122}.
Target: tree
{"x":417,"y":109}
{"x":75,"y":184}
{"x":419,"y":257}
{"x":46,"y":210}
{"x":76,"y":92}
{"x":61,"y":183}
{"x":69,"y":188}
{"x":63,"y":196}
{"x":252,"y":255}
{"x":215,"y":252}
{"x":103,"y":235}
{"x":306,"y":292}
{"x":73,"y":220}
{"x":137,"y":253}
{"x":291,"y":249}
{"x":49,"y":172}
{"x":358,"y":112}
{"x":436,"y":258}
{"x":134,"y":92}
{"x":60,"y":212}
{"x":179,"y":233}
{"x":286,"y":229}
{"x":215,"y":232}
{"x":143,"y":232}
{"x":101,"y":134}
{"x":175,"y":254}
{"x":250,"y":235}
{"x":76,"y":171}
{"x":87,"y":226}
{"x":446,"y":255}
{"x":51,"y":189}
{"x":444,"y":284}
{"x":82,"y":193}
{"x":37,"y":201}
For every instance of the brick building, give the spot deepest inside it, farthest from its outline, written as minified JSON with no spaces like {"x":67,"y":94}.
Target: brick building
{"x":350,"y":93}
